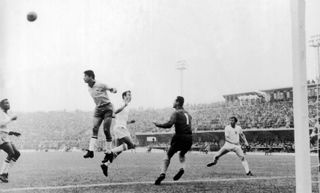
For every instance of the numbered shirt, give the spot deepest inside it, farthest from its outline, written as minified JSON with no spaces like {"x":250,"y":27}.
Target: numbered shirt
{"x":233,"y":134}
{"x":99,"y":94}
{"x":181,"y":120}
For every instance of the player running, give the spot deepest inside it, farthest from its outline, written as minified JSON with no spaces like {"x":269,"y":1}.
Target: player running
{"x":121,"y":133}
{"x":5,"y":144}
{"x":233,"y":133}
{"x":181,"y":141}
{"x":103,"y":111}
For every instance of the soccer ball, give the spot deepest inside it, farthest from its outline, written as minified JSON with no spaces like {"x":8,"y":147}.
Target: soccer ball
{"x":31,"y":16}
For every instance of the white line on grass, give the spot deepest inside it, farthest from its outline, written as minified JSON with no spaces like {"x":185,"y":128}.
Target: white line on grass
{"x":145,"y":182}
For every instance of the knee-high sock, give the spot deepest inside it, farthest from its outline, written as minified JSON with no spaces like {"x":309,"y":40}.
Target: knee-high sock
{"x":11,"y":164}
{"x":92,"y":143}
{"x":165,"y":166}
{"x":245,"y":165}
{"x":5,"y":167}
{"x":120,"y":148}
{"x":108,"y":146}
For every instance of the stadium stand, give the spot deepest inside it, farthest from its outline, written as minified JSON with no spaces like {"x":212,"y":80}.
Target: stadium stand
{"x":63,"y":130}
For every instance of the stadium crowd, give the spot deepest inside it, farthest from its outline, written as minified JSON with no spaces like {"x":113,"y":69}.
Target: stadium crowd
{"x":62,"y":128}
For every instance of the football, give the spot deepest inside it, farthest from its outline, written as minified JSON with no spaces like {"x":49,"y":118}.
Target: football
{"x":31,"y":16}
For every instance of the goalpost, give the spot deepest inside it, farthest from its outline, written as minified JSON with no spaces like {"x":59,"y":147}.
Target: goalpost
{"x":300,"y":98}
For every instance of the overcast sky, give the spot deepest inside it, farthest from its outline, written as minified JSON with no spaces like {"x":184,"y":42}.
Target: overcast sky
{"x":229,"y":46}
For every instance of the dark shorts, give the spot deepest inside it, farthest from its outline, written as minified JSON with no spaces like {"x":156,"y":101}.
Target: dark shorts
{"x":180,"y":143}
{"x":104,"y":111}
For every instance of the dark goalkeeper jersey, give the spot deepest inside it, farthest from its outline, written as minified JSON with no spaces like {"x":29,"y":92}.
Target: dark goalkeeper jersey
{"x":181,"y":120}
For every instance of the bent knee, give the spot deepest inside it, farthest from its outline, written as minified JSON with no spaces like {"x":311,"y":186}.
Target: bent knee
{"x":17,"y":154}
{"x":11,"y":155}
{"x":131,"y":146}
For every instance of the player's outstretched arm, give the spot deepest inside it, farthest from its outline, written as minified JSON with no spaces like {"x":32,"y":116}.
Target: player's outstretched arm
{"x":5,"y":122}
{"x":123,"y":107}
{"x":111,"y":89}
{"x":244,"y":139}
{"x":168,"y":124}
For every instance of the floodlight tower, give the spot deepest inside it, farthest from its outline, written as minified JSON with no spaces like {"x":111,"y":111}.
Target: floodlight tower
{"x":181,"y":66}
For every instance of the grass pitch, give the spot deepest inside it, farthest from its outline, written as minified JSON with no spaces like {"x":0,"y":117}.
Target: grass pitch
{"x":136,"y":172}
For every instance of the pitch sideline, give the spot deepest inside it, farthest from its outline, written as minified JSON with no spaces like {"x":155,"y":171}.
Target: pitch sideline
{"x":145,"y":182}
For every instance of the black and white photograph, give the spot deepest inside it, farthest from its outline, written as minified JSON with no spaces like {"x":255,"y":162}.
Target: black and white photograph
{"x":164,"y":96}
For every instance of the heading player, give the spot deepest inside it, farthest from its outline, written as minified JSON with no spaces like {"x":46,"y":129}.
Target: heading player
{"x":121,"y":133}
{"x":103,"y":111}
{"x":233,"y":133}
{"x":5,"y":144}
{"x":181,"y":141}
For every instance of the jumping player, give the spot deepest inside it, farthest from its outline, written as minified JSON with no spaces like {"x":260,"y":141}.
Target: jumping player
{"x":103,"y":111}
{"x":5,"y":144}
{"x":233,"y":133}
{"x":121,"y":133}
{"x":181,"y":141}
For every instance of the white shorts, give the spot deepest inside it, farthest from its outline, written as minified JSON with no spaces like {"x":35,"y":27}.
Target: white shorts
{"x":4,"y":137}
{"x":232,"y":147}
{"x":120,"y":132}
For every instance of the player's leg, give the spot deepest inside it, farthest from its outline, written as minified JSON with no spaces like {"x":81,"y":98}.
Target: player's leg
{"x":166,"y":162}
{"x":244,"y":162}
{"x":224,"y":150}
{"x":15,"y":157}
{"x":118,"y":142}
{"x":108,"y":159}
{"x":6,"y":147}
{"x":95,"y":131}
{"x":186,"y":146}
{"x":108,"y":114}
{"x":126,"y":143}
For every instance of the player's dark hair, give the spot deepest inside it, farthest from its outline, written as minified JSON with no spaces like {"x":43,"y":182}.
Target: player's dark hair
{"x":125,"y":93}
{"x":180,"y":100}
{"x":89,"y":73}
{"x":235,"y":118}
{"x":2,"y":102}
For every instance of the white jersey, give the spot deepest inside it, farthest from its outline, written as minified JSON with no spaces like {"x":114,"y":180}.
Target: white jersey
{"x":122,"y":118}
{"x":233,"y":134}
{"x":120,"y":129}
{"x":4,"y":117}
